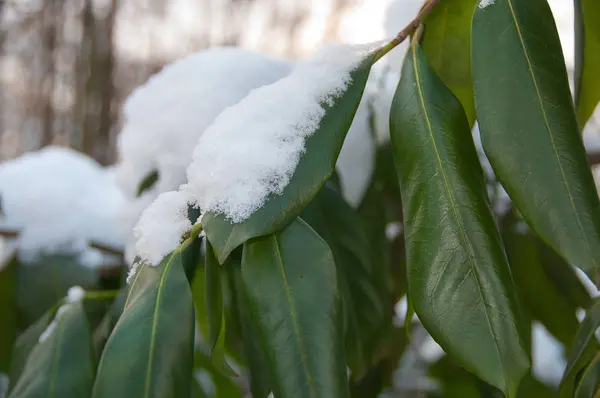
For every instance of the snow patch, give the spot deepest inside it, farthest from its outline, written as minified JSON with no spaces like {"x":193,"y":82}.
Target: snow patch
{"x":486,"y":3}
{"x":52,"y":325}
{"x":548,"y":357}
{"x":75,"y":294}
{"x":161,"y":226}
{"x":252,"y":148}
{"x":59,"y":200}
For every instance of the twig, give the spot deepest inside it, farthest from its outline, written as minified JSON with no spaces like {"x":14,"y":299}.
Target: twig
{"x":408,"y":29}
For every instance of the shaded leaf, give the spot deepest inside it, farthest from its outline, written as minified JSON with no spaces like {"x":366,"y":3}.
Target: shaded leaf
{"x":316,"y":165}
{"x":458,"y":276}
{"x":365,"y":295}
{"x":61,"y":366}
{"x":147,"y":182}
{"x":529,"y":130}
{"x":587,"y":58}
{"x":290,"y":280}
{"x":25,"y":343}
{"x":590,"y":380}
{"x":447,"y":45}
{"x":150,"y":351}
{"x":582,"y":352}
{"x":8,"y":310}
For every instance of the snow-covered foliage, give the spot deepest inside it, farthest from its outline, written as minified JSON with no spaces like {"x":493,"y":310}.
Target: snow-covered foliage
{"x":59,"y":200}
{"x":252,"y":148}
{"x":161,"y":226}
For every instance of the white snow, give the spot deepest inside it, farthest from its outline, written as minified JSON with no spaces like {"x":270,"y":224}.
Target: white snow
{"x":161,"y":226}
{"x":60,"y":200}
{"x":75,"y":294}
{"x":486,"y":3}
{"x":252,"y":148}
{"x":165,"y":117}
{"x":392,"y":230}
{"x":356,"y":162}
{"x":548,"y":356}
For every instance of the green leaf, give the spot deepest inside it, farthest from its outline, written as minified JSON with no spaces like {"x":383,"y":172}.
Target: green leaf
{"x":529,"y":130}
{"x":447,"y":45}
{"x":533,"y":388}
{"x":364,"y":291}
{"x":61,"y":366}
{"x":150,"y":351}
{"x":260,"y":385}
{"x":458,"y":276}
{"x":215,"y":311}
{"x":590,"y":380}
{"x":316,"y":165}
{"x":544,"y":302}
{"x":582,"y":352}
{"x":587,"y":58}
{"x":290,"y":281}
{"x":25,"y":343}
{"x":8,"y":310}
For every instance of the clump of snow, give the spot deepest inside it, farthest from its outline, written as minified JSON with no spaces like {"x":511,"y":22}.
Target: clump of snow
{"x":548,"y":359}
{"x":59,"y":200}
{"x":252,"y":148}
{"x":75,"y":294}
{"x":164,"y":118}
{"x":162,"y":225}
{"x":392,"y":230}
{"x":356,"y":162}
{"x":486,"y":3}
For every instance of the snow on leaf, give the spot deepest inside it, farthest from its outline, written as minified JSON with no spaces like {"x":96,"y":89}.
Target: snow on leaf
{"x":252,"y":148}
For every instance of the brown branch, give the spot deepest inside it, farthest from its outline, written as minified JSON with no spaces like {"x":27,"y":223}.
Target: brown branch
{"x":414,"y":24}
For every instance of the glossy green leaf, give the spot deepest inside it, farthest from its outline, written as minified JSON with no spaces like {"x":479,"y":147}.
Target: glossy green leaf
{"x":590,"y":380}
{"x":60,"y":366}
{"x":316,"y":165}
{"x":447,"y":45}
{"x":364,"y":292}
{"x":150,"y":351}
{"x":215,"y":311}
{"x":25,"y":343}
{"x":582,"y":352}
{"x":587,"y":58}
{"x":529,"y":130}
{"x":533,"y":388}
{"x":291,"y":285}
{"x":8,"y":310}
{"x":260,"y":385}
{"x":214,"y":383}
{"x":544,"y":302}
{"x":458,"y":276}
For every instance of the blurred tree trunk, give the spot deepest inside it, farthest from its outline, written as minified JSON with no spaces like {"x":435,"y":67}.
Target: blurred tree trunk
{"x":51,"y":16}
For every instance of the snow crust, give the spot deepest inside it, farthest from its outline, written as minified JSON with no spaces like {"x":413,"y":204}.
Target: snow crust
{"x":60,"y":200}
{"x":253,"y":148}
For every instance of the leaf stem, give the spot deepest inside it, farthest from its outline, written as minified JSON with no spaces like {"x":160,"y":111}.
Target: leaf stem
{"x":100,"y":294}
{"x":408,"y":29}
{"x":189,"y":237}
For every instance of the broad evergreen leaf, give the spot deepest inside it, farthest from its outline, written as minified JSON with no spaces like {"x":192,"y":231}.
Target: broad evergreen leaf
{"x":8,"y":310}
{"x":582,"y":352}
{"x":215,"y":310}
{"x":458,"y":276}
{"x":364,"y":291}
{"x":25,"y":343}
{"x":292,"y":289}
{"x":62,"y":365}
{"x":150,"y":351}
{"x":538,"y":294}
{"x":587,"y":58}
{"x":447,"y":45}
{"x":260,"y":385}
{"x":316,"y":165}
{"x":529,"y":130}
{"x":589,"y":382}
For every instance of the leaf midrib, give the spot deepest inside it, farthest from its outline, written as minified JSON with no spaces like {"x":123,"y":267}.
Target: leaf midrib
{"x":470,"y":254}
{"x":550,"y":133}
{"x":58,"y":337}
{"x":294,"y":318}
